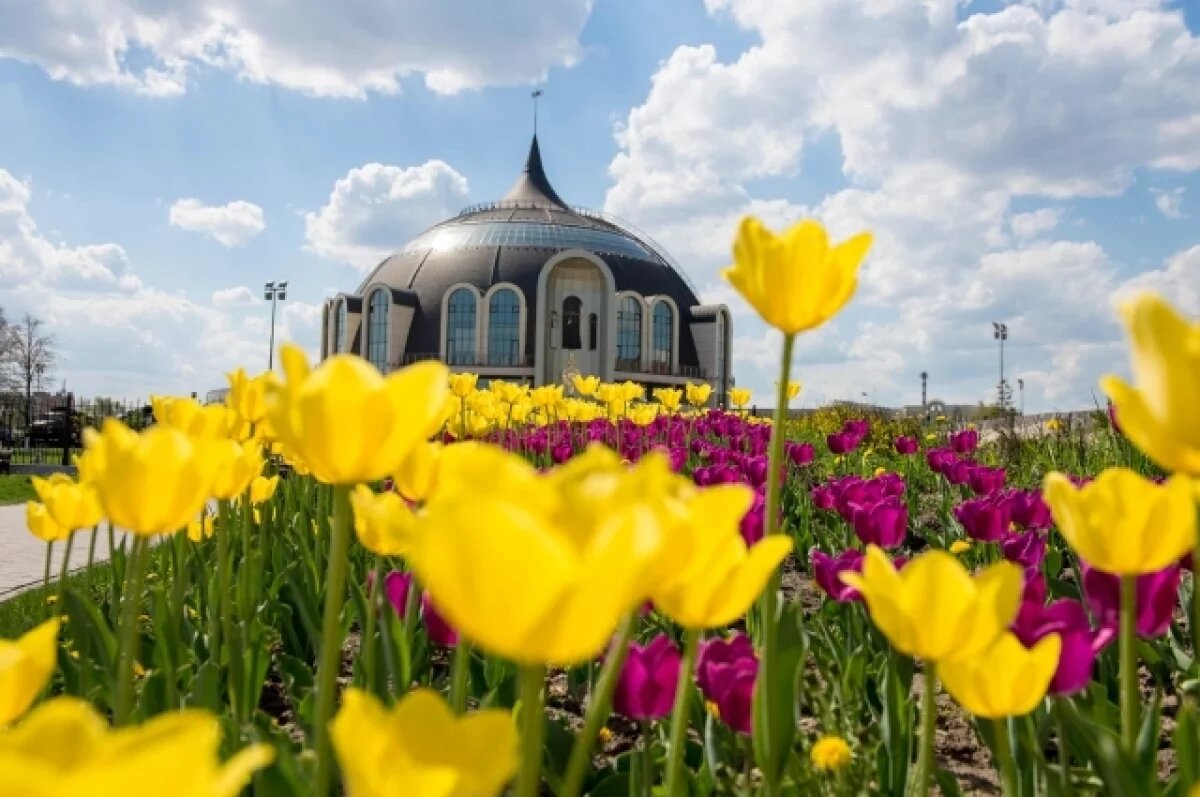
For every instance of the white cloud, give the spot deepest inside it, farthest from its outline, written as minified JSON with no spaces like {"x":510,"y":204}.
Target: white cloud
{"x":375,"y":209}
{"x":1169,"y":203}
{"x":342,"y":50}
{"x":233,"y":297}
{"x":942,"y":123}
{"x":1178,"y":280}
{"x":232,"y":224}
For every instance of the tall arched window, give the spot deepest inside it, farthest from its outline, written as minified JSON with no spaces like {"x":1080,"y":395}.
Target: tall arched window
{"x":377,"y":329}
{"x":504,"y":328}
{"x":629,"y":334}
{"x":339,"y":328}
{"x":572,"y":310}
{"x":662,"y":335}
{"x":460,"y":328}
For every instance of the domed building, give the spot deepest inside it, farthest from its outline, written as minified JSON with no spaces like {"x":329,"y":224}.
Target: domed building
{"x":529,"y":288}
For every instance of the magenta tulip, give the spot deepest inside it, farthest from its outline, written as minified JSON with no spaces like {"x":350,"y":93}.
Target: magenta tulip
{"x":841,"y":443}
{"x":1080,"y":644}
{"x":1156,"y":597}
{"x":725,"y":673}
{"x":965,"y":442}
{"x":827,"y":571}
{"x":396,"y":586}
{"x":906,"y":445}
{"x":440,"y":632}
{"x":884,"y":523}
{"x":960,"y":471}
{"x":1027,"y":549}
{"x":984,"y":519}
{"x":985,"y":480}
{"x":753,"y":521}
{"x":940,"y":460}
{"x":1029,"y":511}
{"x":646,"y":686}
{"x":800,"y":453}
{"x":718,"y":652}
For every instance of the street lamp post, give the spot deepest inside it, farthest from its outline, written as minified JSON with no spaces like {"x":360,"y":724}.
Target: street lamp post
{"x":924,"y":384}
{"x":1021,"y":390}
{"x":276,"y":292}
{"x":1000,"y":333}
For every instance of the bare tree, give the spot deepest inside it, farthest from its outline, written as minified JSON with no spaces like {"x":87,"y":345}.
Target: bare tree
{"x":6,"y":380}
{"x":31,"y":355}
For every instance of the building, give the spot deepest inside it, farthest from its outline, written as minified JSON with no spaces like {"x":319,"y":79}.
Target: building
{"x":527,"y":287}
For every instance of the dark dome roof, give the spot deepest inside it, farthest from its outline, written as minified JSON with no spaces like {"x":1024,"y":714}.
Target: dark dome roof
{"x":509,"y":241}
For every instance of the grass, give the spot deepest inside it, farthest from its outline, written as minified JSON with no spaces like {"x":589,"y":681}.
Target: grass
{"x":23,"y":611}
{"x":16,"y":489}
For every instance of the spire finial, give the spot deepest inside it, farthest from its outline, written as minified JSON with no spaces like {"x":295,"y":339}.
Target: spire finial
{"x":536,"y":93}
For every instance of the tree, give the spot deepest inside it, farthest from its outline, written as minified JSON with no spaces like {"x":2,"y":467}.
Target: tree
{"x":31,"y":356}
{"x":6,"y":375}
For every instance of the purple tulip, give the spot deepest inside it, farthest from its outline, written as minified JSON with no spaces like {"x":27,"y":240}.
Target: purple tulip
{"x":1080,"y":644}
{"x":858,"y":429}
{"x":718,"y":652}
{"x":800,"y":453}
{"x":965,"y":442}
{"x":841,"y":443}
{"x":906,"y":445}
{"x":725,"y":673}
{"x":1027,"y":550}
{"x":960,"y":471}
{"x":647,"y":684}
{"x":1029,"y":511}
{"x":884,"y":523}
{"x":561,"y":453}
{"x":985,"y":519}
{"x":756,"y":471}
{"x":1034,"y":590}
{"x":985,"y":480}
{"x":823,"y":497}
{"x":753,"y":521}
{"x":827,"y":571}
{"x":940,"y":460}
{"x":440,"y":632}
{"x":1156,"y":597}
{"x":396,"y":586}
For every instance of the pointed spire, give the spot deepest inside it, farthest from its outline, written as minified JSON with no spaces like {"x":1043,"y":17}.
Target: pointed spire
{"x":533,"y":187}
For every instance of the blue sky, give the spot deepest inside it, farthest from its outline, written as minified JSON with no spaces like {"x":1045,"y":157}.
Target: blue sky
{"x":1020,"y":162}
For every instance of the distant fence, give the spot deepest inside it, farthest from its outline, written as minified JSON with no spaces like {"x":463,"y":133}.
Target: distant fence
{"x":47,"y":428}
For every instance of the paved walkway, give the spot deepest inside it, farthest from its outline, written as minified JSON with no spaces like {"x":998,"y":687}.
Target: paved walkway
{"x":23,"y":556}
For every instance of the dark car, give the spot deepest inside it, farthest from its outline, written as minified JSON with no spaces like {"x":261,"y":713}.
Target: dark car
{"x":51,"y":429}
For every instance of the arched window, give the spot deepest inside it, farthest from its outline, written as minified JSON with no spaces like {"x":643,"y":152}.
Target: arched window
{"x":722,"y":363}
{"x":460,"y":328}
{"x":572,"y":311}
{"x":339,"y":328}
{"x":592,"y":331}
{"x":662,"y":335}
{"x":377,"y":329}
{"x":504,"y":328}
{"x":629,"y":334}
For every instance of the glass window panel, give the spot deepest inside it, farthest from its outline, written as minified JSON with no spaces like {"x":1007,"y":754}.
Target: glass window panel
{"x":377,"y":329}
{"x":662,"y":334}
{"x":460,"y":328}
{"x":504,"y":328}
{"x":629,"y":334}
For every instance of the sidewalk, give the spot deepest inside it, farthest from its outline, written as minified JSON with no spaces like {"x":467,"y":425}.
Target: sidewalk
{"x":23,"y":556}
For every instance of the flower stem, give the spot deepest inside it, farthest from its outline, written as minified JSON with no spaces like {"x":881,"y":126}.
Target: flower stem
{"x":331,"y":637}
{"x":367,"y":645}
{"x":1129,"y":693}
{"x":62,"y":570}
{"x":679,"y":719}
{"x":1004,"y":758}
{"x":598,"y":708}
{"x":131,"y":596}
{"x":460,"y":675}
{"x":928,"y":728}
{"x":46,"y":569}
{"x":1064,"y":757}
{"x":531,"y":685}
{"x":647,"y":759}
{"x":764,"y":701}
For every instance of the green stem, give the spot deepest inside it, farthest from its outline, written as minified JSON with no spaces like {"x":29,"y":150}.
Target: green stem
{"x":331,"y":636}
{"x":679,"y":718}
{"x":598,"y":708}
{"x":229,"y":632}
{"x":367,"y":645}
{"x":460,"y":675}
{"x":1064,"y":757}
{"x":531,"y":684}
{"x":647,"y":759}
{"x":46,"y":569}
{"x":928,"y":727}
{"x":131,"y":596}
{"x":1004,"y":758}
{"x":91,"y":558}
{"x":1129,"y":693}
{"x":62,"y":571}
{"x":764,"y":702}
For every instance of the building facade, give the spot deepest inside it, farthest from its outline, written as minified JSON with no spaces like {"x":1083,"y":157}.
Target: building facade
{"x":525,"y":288}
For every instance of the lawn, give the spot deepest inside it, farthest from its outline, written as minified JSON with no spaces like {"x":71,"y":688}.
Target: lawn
{"x":15,"y":489}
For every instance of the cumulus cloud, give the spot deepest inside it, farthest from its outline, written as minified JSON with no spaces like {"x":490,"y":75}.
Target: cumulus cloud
{"x":233,"y":297}
{"x":232,"y":224}
{"x":1169,"y":203}
{"x":943,"y":118}
{"x":375,"y":209}
{"x":343,"y":50}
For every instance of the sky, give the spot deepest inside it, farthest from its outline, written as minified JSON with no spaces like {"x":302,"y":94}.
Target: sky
{"x":1027,"y":162}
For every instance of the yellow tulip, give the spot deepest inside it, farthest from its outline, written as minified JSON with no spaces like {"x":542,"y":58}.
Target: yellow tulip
{"x":240,"y":464}
{"x":193,"y":418}
{"x":72,"y":506}
{"x":415,"y":477}
{"x":155,"y":481}
{"x":586,"y":385}
{"x":262,"y":488}
{"x":1123,"y":523}
{"x":631,"y":391}
{"x":708,"y":577}
{"x":739,"y":396}
{"x":933,"y":609}
{"x":669,"y":398}
{"x":25,"y":666}
{"x":1159,"y":412}
{"x":248,"y":395}
{"x":697,"y":394}
{"x":200,"y":529}
{"x":349,"y":424}
{"x":546,"y":396}
{"x":796,"y":281}
{"x":420,"y":748}
{"x":41,"y":524}
{"x":463,"y":384}
{"x":383,"y":522}
{"x":793,"y":389}
{"x":1006,"y":680}
{"x":64,"y":747}
{"x":643,"y":414}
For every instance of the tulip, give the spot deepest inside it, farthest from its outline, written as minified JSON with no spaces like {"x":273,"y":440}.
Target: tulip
{"x":697,"y":394}
{"x":462,"y":384}
{"x":984,"y":519}
{"x":1005,"y":680}
{"x":25,"y":666}
{"x":396,"y":586}
{"x":648,"y":680}
{"x":753,"y":521}
{"x":1027,"y":550}
{"x":211,"y":421}
{"x":796,"y":281}
{"x":1029,"y":511}
{"x":201,"y":528}
{"x":586,"y":385}
{"x":1158,"y":412}
{"x":262,"y":489}
{"x":827,"y":571}
{"x":173,"y":753}
{"x":884,"y":523}
{"x":739,"y":396}
{"x":71,"y":505}
{"x":725,"y":672}
{"x":823,"y":497}
{"x":906,"y":445}
{"x":1080,"y":644}
{"x":800,"y":453}
{"x":985,"y":480}
{"x":940,"y":460}
{"x":42,"y":525}
{"x":959,"y":472}
{"x":1156,"y":597}
{"x":965,"y":442}
{"x":841,"y":443}
{"x":792,"y":390}
{"x":247,"y":395}
{"x":420,"y":747}
{"x":1122,"y":523}
{"x":240,"y":464}
{"x":858,"y":429}
{"x":933,"y":609}
{"x":382,"y":521}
